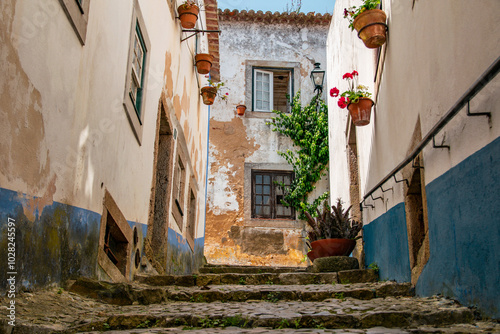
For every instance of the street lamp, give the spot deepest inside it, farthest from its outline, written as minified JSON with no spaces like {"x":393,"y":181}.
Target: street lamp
{"x":317,"y":77}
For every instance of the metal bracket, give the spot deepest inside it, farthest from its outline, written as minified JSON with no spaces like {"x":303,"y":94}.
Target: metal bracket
{"x":439,"y":146}
{"x":487,"y":114}
{"x":361,"y":206}
{"x":399,"y":181}
{"x":391,"y":188}
{"x":371,"y":24}
{"x":376,"y":198}
{"x":196,"y":31}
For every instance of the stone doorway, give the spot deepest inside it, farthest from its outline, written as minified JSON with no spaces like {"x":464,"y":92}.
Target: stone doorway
{"x":160,"y":193}
{"x":354,"y":194}
{"x":416,"y":211}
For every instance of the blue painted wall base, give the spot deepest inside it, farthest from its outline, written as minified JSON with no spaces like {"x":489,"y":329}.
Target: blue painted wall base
{"x":386,"y":244}
{"x":464,"y":233}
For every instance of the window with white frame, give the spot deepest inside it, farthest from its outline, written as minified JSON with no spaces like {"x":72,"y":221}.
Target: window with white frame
{"x":77,"y":12}
{"x":135,"y":85}
{"x":272,"y":89}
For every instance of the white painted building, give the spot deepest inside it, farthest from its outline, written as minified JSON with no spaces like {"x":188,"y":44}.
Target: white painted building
{"x":101,"y":112}
{"x":273,"y":55}
{"x":438,"y":229}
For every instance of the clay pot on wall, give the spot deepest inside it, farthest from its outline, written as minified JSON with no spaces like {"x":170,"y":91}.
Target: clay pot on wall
{"x":360,"y":112}
{"x":371,"y":27}
{"x":188,"y":14}
{"x":208,"y":94}
{"x":203,"y":62}
{"x":331,"y":247}
{"x":240,"y":109}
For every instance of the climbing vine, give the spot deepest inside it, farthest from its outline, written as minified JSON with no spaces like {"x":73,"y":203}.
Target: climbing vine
{"x":307,"y":127}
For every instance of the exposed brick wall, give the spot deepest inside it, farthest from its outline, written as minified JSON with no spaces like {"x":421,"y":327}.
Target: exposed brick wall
{"x":213,"y":38}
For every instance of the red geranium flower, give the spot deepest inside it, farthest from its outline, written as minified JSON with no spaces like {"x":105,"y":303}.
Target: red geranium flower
{"x":354,"y":72}
{"x":347,"y":75}
{"x":343,"y":102}
{"x":334,"y":92}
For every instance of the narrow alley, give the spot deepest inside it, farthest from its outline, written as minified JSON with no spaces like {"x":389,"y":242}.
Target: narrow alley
{"x":249,"y":166}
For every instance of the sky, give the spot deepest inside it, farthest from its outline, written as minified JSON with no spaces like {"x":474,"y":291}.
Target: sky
{"x":318,"y":6}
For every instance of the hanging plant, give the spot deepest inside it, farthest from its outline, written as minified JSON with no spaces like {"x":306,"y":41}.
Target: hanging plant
{"x":307,"y":127}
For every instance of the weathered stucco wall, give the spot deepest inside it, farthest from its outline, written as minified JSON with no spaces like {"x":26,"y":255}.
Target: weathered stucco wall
{"x":239,"y":144}
{"x":66,"y":138}
{"x":428,"y":62}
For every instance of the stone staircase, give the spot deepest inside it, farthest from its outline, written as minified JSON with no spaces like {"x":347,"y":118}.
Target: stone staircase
{"x":239,"y":299}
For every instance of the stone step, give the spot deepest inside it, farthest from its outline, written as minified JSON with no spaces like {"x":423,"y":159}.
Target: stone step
{"x":56,"y":311}
{"x":127,"y":294}
{"x":228,"y":269}
{"x":348,"y":276}
{"x":475,"y":328}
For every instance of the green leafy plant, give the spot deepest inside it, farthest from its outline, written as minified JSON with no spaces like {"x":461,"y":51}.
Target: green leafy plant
{"x":352,"y":12}
{"x":335,"y":224}
{"x":353,"y":94}
{"x":144,"y":324}
{"x":242,"y":281}
{"x":283,"y":324}
{"x":374,"y":266}
{"x":222,"y":92}
{"x":340,"y":296}
{"x":188,"y":4}
{"x":307,"y":127}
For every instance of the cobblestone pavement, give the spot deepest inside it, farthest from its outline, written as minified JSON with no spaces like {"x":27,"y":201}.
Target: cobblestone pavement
{"x":59,"y":311}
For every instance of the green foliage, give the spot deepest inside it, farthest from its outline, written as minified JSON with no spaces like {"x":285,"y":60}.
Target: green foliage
{"x":374,"y":266}
{"x":332,"y":224}
{"x":307,"y":127}
{"x":242,"y":281}
{"x":352,"y":12}
{"x":340,"y":295}
{"x":145,"y":324}
{"x":283,"y":324}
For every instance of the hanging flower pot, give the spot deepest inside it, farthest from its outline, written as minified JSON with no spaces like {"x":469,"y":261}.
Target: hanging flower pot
{"x":371,"y":27}
{"x":208,"y":93}
{"x":360,"y":111}
{"x":203,"y":62}
{"x":188,"y":14}
{"x":240,"y":109}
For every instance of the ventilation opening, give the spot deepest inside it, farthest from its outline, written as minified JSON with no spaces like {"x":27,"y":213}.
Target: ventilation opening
{"x":137,"y":259}
{"x":115,"y":245}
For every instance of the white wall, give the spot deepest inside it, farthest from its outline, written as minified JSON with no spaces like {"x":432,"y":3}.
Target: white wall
{"x":434,"y":53}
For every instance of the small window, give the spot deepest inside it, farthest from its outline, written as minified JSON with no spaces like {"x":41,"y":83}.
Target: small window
{"x":191,"y":222}
{"x":272,"y":89}
{"x":135,"y":86}
{"x":77,"y":12}
{"x":178,"y":192}
{"x":268,"y":192}
{"x":137,"y":76}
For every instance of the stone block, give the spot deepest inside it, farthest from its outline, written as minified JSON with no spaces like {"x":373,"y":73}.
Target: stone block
{"x":358,"y":276}
{"x":207,"y":279}
{"x":334,"y":264}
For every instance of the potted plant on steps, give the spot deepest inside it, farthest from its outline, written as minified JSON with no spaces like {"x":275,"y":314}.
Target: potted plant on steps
{"x":356,"y":99}
{"x":188,"y":14}
{"x":369,"y":22}
{"x":210,"y":92}
{"x":332,"y":233}
{"x":203,"y":62}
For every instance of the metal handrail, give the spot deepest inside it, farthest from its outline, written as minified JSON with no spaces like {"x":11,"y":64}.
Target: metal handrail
{"x":479,"y":84}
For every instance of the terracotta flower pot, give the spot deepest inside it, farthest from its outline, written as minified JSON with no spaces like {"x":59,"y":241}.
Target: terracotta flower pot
{"x":371,"y":27}
{"x":331,"y":247}
{"x":208,"y":93}
{"x":240,"y":109}
{"x":311,"y":256}
{"x":188,"y":14}
{"x":360,"y":112}
{"x":203,"y":62}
